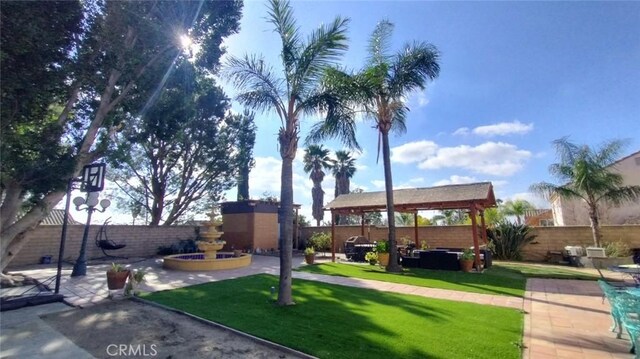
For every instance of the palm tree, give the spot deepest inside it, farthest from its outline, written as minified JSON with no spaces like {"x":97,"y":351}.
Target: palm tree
{"x":517,"y":208}
{"x":380,"y":90}
{"x":587,"y":174}
{"x":343,"y":168}
{"x":294,"y":94}
{"x":316,"y":158}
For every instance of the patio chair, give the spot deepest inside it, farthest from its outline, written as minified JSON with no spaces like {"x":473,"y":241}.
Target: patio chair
{"x":105,"y":244}
{"x":612,"y":294}
{"x":629,"y":311}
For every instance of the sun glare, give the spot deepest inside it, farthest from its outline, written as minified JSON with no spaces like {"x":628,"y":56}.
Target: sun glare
{"x":185,"y":42}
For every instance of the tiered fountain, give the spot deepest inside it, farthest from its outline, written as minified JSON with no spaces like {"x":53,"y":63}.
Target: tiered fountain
{"x":211,"y":259}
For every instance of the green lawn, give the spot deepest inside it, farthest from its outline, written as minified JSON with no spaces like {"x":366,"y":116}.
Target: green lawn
{"x":501,"y":278}
{"x":496,"y":280}
{"x":331,"y":321}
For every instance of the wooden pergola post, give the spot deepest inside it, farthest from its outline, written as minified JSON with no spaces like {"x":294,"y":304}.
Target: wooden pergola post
{"x":415,"y":228}
{"x":362,"y":224}
{"x":474,"y":232}
{"x":484,"y":227}
{"x":333,"y":236}
{"x":296,"y":234}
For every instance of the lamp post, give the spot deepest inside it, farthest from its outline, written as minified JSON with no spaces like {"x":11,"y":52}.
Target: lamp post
{"x":90,"y":203}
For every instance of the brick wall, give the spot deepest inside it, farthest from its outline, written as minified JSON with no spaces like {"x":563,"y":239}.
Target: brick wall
{"x":548,"y":238}
{"x":141,"y":241}
{"x":265,"y":229}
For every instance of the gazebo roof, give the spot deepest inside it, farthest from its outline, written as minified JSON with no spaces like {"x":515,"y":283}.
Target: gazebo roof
{"x":411,"y":199}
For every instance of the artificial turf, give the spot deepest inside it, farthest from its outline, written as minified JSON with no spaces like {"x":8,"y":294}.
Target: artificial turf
{"x":331,"y":321}
{"x":495,"y":280}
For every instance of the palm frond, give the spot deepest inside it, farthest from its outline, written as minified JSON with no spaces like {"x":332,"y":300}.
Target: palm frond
{"x":566,"y":150}
{"x":412,"y":67}
{"x":280,"y":14}
{"x":380,"y":42}
{"x":324,"y":47}
{"x":609,"y":152}
{"x":258,"y":85}
{"x":547,"y":190}
{"x":340,"y":126}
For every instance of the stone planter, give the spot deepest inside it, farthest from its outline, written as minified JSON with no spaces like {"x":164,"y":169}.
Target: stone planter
{"x":383,"y":259}
{"x":466,"y":265}
{"x":116,"y":280}
{"x":604,"y":263}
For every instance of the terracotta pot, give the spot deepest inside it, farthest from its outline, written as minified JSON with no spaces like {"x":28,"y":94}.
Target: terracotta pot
{"x":383,"y":259}
{"x":309,"y":258}
{"x":116,"y":280}
{"x":466,"y":265}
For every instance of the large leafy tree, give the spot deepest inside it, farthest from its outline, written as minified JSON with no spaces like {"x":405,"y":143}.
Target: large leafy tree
{"x":246,"y":141}
{"x":123,"y":48}
{"x":588,"y":174}
{"x":517,"y":208}
{"x":316,"y":159}
{"x":343,"y":169}
{"x":380,"y":91}
{"x":180,"y":155}
{"x":296,"y":93}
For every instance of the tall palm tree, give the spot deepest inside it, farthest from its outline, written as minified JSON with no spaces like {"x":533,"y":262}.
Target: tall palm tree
{"x":588,"y":176}
{"x":293,"y":94}
{"x":517,"y":208}
{"x":316,"y":158}
{"x":380,"y":90}
{"x":343,"y":168}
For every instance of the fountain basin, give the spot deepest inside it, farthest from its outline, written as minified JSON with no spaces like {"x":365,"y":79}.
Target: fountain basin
{"x":199,"y":262}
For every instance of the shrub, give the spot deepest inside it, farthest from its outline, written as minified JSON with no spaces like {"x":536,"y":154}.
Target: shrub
{"x":617,"y":249}
{"x":309,"y":251}
{"x":371,"y":257}
{"x":508,"y":239}
{"x":382,"y":246}
{"x":320,"y":241}
{"x":468,"y":255}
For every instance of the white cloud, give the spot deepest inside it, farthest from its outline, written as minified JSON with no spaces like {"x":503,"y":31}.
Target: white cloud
{"x":265,"y":177}
{"x":418,"y":99}
{"x":503,"y":128}
{"x":455,"y":179}
{"x":462,"y":131}
{"x":494,"y":158}
{"x":413,"y":151}
{"x":379,"y":184}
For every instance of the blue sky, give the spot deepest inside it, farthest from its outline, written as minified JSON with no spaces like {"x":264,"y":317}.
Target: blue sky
{"x":514,"y":76}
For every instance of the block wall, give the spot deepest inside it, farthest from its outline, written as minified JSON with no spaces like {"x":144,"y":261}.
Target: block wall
{"x":141,"y":241}
{"x":548,"y":238}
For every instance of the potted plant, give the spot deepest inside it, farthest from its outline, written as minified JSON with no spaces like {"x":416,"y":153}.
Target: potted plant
{"x":117,"y":276}
{"x":135,"y":278}
{"x":371,"y":257}
{"x":309,"y":255}
{"x":467,"y":259}
{"x":382,"y":249}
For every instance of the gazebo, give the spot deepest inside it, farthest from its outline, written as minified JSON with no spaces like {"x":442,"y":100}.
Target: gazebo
{"x":474,"y":197}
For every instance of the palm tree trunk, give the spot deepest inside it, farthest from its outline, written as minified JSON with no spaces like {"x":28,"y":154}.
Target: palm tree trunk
{"x":388,"y":183}
{"x":595,"y":225}
{"x":286,"y":232}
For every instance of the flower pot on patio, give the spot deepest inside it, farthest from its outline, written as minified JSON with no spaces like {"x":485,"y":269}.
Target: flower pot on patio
{"x":309,"y":258}
{"x":383,"y":259}
{"x":466,"y":265}
{"x":117,"y":277}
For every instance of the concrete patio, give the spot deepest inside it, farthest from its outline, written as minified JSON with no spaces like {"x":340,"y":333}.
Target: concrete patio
{"x":563,"y":318}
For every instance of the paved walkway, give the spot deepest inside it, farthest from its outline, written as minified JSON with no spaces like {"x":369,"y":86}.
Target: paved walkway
{"x":568,"y":319}
{"x":564,"y":319}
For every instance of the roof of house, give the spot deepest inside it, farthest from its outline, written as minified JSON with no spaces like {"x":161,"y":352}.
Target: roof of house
{"x":412,"y":199}
{"x":56,"y":217}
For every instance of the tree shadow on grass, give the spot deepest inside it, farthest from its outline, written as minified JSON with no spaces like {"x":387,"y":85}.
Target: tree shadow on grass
{"x":345,"y":322}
